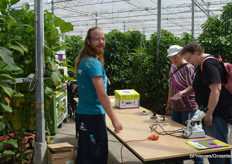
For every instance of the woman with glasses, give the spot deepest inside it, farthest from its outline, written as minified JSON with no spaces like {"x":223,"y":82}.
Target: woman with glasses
{"x":210,"y":93}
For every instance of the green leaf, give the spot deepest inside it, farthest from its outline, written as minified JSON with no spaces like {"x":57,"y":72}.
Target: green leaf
{"x":6,"y":55}
{"x":3,"y":4}
{"x":13,"y":68}
{"x":2,"y":126}
{"x":6,"y":77}
{"x":8,"y":152}
{"x":9,"y":12}
{"x":30,"y":29}
{"x":17,"y":48}
{"x":12,"y":142}
{"x":66,"y":27}
{"x":49,"y":92}
{"x":60,"y":89}
{"x":28,"y":61}
{"x":18,"y":98}
{"x":12,"y":2}
{"x":56,"y":78}
{"x":65,"y":60}
{"x":1,"y":147}
{"x":6,"y":89}
{"x":65,"y":65}
{"x":71,"y":69}
{"x":53,"y":65}
{"x":68,"y":78}
{"x":2,"y":65}
{"x":26,"y":6}
{"x":12,"y":23}
{"x":24,"y":47}
{"x":18,"y":95}
{"x":58,"y":22}
{"x":5,"y":108}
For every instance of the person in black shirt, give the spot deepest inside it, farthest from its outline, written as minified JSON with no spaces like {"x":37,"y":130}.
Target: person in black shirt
{"x":210,"y":93}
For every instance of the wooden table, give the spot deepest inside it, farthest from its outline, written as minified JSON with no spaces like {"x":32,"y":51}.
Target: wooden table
{"x":167,"y":148}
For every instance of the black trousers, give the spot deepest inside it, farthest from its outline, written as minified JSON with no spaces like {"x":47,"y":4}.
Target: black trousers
{"x":89,"y":152}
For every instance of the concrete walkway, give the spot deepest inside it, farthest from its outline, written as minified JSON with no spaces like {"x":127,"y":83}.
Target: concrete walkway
{"x":67,"y":134}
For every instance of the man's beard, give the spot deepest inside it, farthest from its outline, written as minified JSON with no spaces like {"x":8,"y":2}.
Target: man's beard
{"x":97,"y":51}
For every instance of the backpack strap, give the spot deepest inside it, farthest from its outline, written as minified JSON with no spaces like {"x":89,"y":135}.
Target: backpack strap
{"x":206,"y":59}
{"x":218,"y":59}
{"x":204,"y":81}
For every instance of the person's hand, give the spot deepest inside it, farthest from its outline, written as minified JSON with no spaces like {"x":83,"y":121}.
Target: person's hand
{"x":208,"y":119}
{"x":117,"y":125}
{"x":168,"y":110}
{"x":177,"y":96}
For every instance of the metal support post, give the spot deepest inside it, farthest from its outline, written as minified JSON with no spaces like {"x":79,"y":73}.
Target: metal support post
{"x":193,"y":21}
{"x":124,"y":26}
{"x":40,"y":146}
{"x":158,"y":27}
{"x":52,"y":6}
{"x":96,"y":19}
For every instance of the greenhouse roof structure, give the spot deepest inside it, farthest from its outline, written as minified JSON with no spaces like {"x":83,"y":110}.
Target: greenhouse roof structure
{"x":123,"y":15}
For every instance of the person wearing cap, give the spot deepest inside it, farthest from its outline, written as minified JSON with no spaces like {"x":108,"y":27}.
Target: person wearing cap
{"x":181,"y":76}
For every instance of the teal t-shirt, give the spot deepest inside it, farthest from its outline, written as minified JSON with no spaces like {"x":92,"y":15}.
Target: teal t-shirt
{"x":88,"y":102}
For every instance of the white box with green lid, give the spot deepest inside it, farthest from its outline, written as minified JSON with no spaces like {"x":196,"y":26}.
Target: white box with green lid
{"x":127,"y":98}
